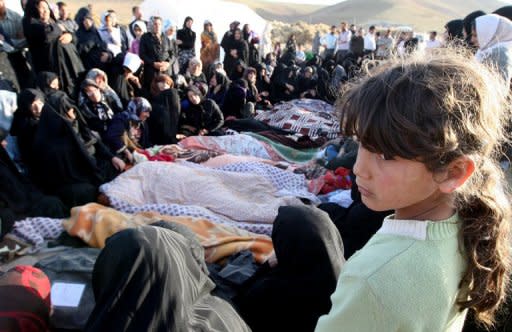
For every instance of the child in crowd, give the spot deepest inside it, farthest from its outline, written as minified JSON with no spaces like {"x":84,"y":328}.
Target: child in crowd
{"x":430,"y":134}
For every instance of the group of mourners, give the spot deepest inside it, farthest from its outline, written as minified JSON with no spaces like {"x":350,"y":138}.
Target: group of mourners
{"x":83,"y":99}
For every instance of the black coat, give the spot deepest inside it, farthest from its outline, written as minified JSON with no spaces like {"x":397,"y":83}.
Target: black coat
{"x":153,"y":50}
{"x":164,"y":120}
{"x":49,"y":54}
{"x":188,"y":38}
{"x":90,"y":46}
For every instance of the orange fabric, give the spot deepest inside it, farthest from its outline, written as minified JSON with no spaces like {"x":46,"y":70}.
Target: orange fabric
{"x":94,"y":223}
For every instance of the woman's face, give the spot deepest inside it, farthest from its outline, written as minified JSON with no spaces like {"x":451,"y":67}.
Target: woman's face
{"x":189,"y":23}
{"x":55,"y":84}
{"x":209,"y":28}
{"x":44,"y":11}
{"x":194,"y":99}
{"x":93,"y":93}
{"x":88,"y":23}
{"x":109,"y":22}
{"x":213,"y":81}
{"x":163,"y":86}
{"x":237,"y":35}
{"x":100,"y":80}
{"x":474,"y":37}
{"x":36,"y":107}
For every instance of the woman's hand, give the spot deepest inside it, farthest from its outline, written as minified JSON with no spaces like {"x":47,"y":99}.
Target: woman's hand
{"x":118,"y":164}
{"x":65,"y":38}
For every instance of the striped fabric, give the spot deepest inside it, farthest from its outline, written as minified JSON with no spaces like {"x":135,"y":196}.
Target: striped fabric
{"x":11,"y":24}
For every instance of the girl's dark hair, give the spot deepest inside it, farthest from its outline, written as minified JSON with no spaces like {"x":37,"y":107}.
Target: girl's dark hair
{"x":436,"y":110}
{"x":188,"y":18}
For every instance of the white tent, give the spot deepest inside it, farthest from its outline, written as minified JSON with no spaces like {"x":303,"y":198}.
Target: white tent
{"x":220,"y":13}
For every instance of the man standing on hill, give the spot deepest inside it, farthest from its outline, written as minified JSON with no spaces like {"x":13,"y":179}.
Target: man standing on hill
{"x":343,"y":42}
{"x":329,"y":43}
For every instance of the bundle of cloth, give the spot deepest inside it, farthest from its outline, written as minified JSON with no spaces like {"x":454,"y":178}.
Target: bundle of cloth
{"x":94,"y":223}
{"x":310,"y":117}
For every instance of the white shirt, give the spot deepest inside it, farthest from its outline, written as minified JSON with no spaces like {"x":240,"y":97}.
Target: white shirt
{"x":433,"y":43}
{"x":369,"y":42}
{"x":343,"y":40}
{"x":329,"y":40}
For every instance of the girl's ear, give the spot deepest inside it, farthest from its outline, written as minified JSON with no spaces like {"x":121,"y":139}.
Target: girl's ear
{"x":457,"y":172}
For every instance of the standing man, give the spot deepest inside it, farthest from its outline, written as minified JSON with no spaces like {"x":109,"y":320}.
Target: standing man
{"x":370,"y":44}
{"x":432,"y":42}
{"x":343,"y":42}
{"x":328,"y":41}
{"x":69,"y":24}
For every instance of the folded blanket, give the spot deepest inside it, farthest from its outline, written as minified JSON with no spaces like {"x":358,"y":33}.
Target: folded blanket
{"x":94,"y":223}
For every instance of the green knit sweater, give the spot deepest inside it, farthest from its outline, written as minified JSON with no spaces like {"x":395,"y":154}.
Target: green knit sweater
{"x":406,"y":278}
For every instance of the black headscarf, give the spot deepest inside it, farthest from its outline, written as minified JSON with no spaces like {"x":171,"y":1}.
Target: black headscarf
{"x":468,"y":22}
{"x":163,"y":122}
{"x":454,"y":28}
{"x":505,"y":11}
{"x":44,"y":79}
{"x":293,"y":295}
{"x":24,"y":124}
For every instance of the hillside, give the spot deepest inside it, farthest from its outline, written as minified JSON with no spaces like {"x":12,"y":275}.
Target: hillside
{"x":279,"y":11}
{"x":423,"y":15}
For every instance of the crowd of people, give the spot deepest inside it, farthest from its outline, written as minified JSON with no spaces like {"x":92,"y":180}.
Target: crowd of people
{"x":422,"y":139}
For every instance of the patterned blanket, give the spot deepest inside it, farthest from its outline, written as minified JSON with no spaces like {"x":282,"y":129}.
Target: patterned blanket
{"x":305,"y":116}
{"x":94,"y":223}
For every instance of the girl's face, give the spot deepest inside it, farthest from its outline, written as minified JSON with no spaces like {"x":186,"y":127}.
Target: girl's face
{"x":143,"y":116}
{"x":138,"y":32}
{"x":238,"y":35}
{"x":36,"y":108}
{"x":405,"y":186}
{"x":194,"y":99}
{"x":251,"y":77}
{"x":109,"y":21}
{"x":188,"y":24}
{"x":44,"y":11}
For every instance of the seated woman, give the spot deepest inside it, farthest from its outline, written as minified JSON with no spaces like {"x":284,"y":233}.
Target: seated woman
{"x":263,"y":85}
{"x":129,"y":130}
{"x":48,"y":83}
{"x":26,"y":120}
{"x":20,"y":199}
{"x":126,"y":79}
{"x":199,"y":116}
{"x":164,"y":121}
{"x":70,"y":161}
{"x":219,"y":85}
{"x":97,"y":108}
{"x":306,"y":86}
{"x":194,"y":73}
{"x":101,"y":79}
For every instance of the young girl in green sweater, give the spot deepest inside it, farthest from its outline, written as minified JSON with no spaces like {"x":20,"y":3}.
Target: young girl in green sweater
{"x":430,"y":133}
